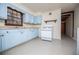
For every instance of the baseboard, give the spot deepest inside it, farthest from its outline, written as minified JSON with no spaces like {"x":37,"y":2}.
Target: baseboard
{"x":71,"y":37}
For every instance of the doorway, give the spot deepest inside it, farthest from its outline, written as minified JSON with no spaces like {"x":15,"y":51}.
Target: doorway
{"x":67,"y":24}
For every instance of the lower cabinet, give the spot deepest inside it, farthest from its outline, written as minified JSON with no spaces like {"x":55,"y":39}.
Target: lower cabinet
{"x":10,"y":39}
{"x":34,"y":33}
{"x":0,"y":44}
{"x":14,"y":37}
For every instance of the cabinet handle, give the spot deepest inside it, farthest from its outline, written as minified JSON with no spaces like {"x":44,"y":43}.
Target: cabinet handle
{"x":7,"y":32}
{"x":1,"y":35}
{"x":21,"y":32}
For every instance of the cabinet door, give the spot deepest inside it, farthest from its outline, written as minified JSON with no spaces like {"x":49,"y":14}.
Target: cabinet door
{"x":37,"y":19}
{"x":34,"y":19}
{"x":30,"y":18}
{"x":40,"y":19}
{"x":3,"y":10}
{"x":23,"y":36}
{"x":34,"y":33}
{"x":4,"y":46}
{"x":0,"y":44}
{"x":7,"y":40}
{"x":26,"y":18}
{"x":10,"y":39}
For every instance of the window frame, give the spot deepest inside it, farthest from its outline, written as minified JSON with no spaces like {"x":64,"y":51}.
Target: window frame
{"x":15,"y":20}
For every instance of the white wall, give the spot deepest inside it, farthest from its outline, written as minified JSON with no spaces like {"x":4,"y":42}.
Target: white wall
{"x":76,"y":21}
{"x":56,"y":26}
{"x":78,"y":41}
{"x":69,"y":26}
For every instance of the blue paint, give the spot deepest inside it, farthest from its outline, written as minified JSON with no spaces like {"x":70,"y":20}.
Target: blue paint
{"x":0,"y":44}
{"x":15,"y":37}
{"x":3,"y":11}
{"x":37,"y":19}
{"x":28,"y":18}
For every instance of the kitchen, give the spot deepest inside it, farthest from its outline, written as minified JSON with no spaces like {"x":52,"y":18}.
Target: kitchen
{"x":19,"y":25}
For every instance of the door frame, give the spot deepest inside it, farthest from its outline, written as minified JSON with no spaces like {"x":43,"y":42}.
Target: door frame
{"x":71,"y":12}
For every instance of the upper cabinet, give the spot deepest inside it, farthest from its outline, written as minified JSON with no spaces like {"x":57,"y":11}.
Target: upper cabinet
{"x":28,"y":18}
{"x":12,"y":14}
{"x":37,"y":19}
{"x":3,"y":11}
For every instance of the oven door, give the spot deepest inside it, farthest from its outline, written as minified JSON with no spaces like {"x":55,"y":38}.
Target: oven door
{"x":46,"y":35}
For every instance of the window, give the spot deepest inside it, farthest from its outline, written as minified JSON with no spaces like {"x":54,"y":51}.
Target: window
{"x":14,"y":17}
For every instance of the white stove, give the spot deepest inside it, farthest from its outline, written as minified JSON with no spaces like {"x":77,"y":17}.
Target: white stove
{"x":47,"y":33}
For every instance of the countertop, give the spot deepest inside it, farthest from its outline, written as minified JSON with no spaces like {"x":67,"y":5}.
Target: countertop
{"x":10,"y":28}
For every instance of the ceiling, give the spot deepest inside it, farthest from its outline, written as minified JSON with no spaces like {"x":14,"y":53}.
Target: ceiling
{"x":45,"y":7}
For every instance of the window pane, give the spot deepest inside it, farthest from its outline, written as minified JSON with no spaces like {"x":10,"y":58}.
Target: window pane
{"x":14,"y":17}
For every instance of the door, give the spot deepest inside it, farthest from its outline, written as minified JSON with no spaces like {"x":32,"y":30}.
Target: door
{"x":63,"y":27}
{"x":10,"y":39}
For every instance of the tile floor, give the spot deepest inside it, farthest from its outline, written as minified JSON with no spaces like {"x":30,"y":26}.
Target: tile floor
{"x":66,"y":46}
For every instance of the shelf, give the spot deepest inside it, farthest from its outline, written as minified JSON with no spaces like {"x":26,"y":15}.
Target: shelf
{"x":50,"y":21}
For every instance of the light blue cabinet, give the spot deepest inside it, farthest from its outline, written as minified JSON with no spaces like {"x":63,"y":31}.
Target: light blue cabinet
{"x":3,"y":10}
{"x":0,"y":44}
{"x":9,"y":39}
{"x":34,"y":33}
{"x":14,"y":37}
{"x":37,"y":19}
{"x":34,"y":20}
{"x":28,"y":18}
{"x":31,"y":18}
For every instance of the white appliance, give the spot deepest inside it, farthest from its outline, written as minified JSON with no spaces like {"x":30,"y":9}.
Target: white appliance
{"x":47,"y":33}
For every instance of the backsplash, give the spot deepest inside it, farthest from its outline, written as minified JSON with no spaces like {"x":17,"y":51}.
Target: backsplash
{"x":2,"y":25}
